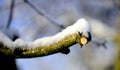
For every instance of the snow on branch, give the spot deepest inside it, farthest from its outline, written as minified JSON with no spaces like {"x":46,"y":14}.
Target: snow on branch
{"x":79,"y":32}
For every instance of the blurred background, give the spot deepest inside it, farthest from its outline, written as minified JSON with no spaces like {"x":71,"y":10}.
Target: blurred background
{"x":32,"y":19}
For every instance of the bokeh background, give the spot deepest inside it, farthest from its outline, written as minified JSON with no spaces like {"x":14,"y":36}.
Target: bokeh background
{"x":32,"y":19}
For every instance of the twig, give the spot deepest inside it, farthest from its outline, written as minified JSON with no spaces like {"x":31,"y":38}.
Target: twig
{"x":11,"y":13}
{"x":98,"y":43}
{"x":42,"y":12}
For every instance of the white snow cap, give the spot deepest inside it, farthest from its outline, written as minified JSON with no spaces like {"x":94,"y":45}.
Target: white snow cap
{"x":81,"y":26}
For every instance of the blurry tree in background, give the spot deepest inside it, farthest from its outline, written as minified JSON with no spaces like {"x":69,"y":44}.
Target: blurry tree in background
{"x":32,"y":19}
{"x":117,"y":38}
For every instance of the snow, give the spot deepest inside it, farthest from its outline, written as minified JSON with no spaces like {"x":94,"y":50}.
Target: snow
{"x":81,"y":25}
{"x":5,"y":40}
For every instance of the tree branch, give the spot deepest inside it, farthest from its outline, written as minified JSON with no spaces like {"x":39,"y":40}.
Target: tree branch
{"x":21,"y":52}
{"x":44,"y":46}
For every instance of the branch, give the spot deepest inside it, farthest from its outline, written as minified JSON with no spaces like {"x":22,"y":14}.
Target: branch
{"x":22,"y":52}
{"x":45,"y":46}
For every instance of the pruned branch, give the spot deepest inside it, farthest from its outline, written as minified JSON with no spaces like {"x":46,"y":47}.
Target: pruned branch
{"x":48,"y":45}
{"x":22,"y":52}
